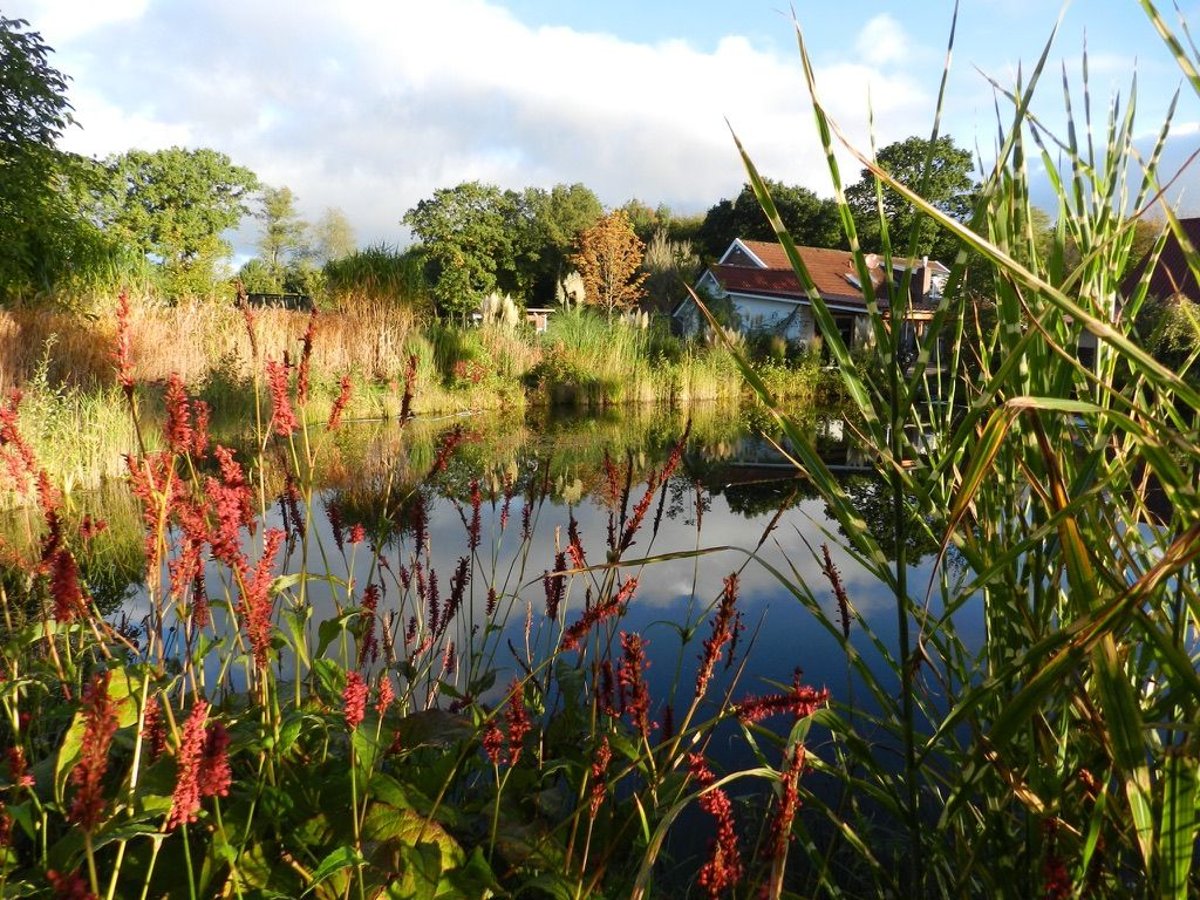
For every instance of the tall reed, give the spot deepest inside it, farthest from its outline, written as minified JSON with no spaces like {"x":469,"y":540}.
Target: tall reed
{"x":1057,"y":757}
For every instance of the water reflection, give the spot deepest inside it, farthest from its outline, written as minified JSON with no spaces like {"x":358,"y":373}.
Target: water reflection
{"x":732,"y":504}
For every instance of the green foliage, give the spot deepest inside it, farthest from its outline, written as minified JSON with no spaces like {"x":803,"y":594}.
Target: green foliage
{"x":46,"y":247}
{"x":378,"y":274}
{"x":466,"y":240}
{"x":35,"y":109}
{"x":173,"y":206}
{"x":940,"y":171}
{"x":257,"y":277}
{"x":332,"y":236}
{"x":283,"y":236}
{"x":1172,"y":331}
{"x":552,"y":223}
{"x":811,"y":219}
{"x":477,"y":239}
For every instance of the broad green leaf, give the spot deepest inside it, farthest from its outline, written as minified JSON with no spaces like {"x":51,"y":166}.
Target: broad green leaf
{"x":342,"y":858}
{"x":1178,"y":824}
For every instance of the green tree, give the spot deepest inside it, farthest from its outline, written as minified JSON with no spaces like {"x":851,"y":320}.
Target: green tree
{"x":33,"y":94}
{"x":812,"y":221}
{"x":332,"y":236}
{"x":643,"y":218}
{"x":609,"y":258}
{"x":466,"y":236}
{"x":45,"y":241}
{"x":257,"y":278}
{"x":173,"y":206}
{"x":555,"y":219}
{"x":283,"y":236}
{"x":941,"y":173}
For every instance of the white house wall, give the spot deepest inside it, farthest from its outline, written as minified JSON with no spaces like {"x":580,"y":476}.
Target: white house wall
{"x":759,"y":314}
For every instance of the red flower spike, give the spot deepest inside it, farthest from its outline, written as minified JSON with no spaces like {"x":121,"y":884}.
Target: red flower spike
{"x":723,"y":869}
{"x":283,"y":417}
{"x":722,"y":634}
{"x":100,"y":724}
{"x":517,"y":717}
{"x":339,"y":404}
{"x":354,"y":700}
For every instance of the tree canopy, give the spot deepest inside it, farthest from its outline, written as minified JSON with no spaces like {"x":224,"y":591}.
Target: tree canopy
{"x":284,"y":234}
{"x":34,"y":108}
{"x":477,"y":238}
{"x":332,"y":236}
{"x":812,"y":221}
{"x":173,"y":206}
{"x":609,"y":259}
{"x":44,"y":239}
{"x":465,"y":235}
{"x":940,"y":172}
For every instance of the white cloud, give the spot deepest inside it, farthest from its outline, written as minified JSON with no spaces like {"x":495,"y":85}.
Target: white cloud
{"x":882,"y":41}
{"x":371,"y":106}
{"x":62,"y":21}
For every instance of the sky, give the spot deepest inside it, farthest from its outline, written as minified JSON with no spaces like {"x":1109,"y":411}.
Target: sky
{"x":370,"y":106}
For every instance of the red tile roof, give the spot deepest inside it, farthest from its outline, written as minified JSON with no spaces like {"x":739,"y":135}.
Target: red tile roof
{"x":827,"y":268}
{"x":770,"y":252}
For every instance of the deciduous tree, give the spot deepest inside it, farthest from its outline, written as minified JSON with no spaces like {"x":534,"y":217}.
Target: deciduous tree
{"x":44,"y":238}
{"x":812,"y":221}
{"x":283,"y":236}
{"x":609,"y":259}
{"x":173,"y":205}
{"x":941,"y":173}
{"x":332,"y":236}
{"x":465,"y":235}
{"x":555,"y":219}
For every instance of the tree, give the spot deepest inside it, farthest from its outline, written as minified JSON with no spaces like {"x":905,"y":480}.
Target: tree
{"x":33,"y":94}
{"x":643,"y":219}
{"x":332,"y":236}
{"x":941,"y":173}
{"x":466,"y":237}
{"x":811,"y":220}
{"x":45,"y":241}
{"x":173,"y":206}
{"x":283,"y":231}
{"x":556,"y":218}
{"x":609,"y":256}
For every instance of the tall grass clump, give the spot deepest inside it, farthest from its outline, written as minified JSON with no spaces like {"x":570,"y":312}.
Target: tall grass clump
{"x":1056,"y":756}
{"x":378,"y":274}
{"x":587,"y":361}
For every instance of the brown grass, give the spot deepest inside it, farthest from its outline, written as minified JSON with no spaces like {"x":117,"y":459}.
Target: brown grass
{"x":195,"y":339}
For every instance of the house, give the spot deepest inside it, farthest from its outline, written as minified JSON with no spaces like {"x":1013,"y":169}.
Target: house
{"x":757,"y":279}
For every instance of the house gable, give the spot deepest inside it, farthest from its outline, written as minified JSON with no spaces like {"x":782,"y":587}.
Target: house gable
{"x":758,"y":279}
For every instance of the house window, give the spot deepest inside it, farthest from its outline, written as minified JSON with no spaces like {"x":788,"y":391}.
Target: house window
{"x":845,"y":327}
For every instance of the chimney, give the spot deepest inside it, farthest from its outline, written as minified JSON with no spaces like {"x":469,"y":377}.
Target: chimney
{"x":926,"y":277}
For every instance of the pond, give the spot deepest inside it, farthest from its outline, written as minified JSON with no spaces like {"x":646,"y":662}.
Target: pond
{"x":481,"y":540}
{"x":733,"y":504}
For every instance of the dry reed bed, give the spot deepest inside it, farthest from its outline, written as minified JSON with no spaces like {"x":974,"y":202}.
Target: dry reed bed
{"x":195,"y":339}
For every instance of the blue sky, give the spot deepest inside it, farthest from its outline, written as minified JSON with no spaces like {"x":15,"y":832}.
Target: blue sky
{"x":371,"y":106}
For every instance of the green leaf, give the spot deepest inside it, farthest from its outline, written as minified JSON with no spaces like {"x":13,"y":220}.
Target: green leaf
{"x":1177,"y":827}
{"x":339,"y":859}
{"x":474,"y":878}
{"x":296,"y":621}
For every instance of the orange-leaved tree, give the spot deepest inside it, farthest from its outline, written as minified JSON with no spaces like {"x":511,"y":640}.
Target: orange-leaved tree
{"x":608,"y":260}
